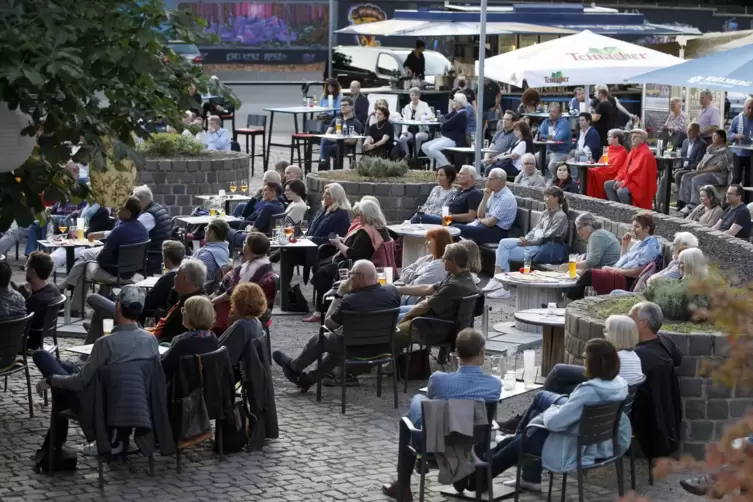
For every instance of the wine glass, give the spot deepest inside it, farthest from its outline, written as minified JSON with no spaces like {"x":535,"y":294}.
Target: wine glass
{"x":244,"y":186}
{"x":420,"y":213}
{"x":233,"y":186}
{"x":63,"y":227}
{"x":304,"y":226}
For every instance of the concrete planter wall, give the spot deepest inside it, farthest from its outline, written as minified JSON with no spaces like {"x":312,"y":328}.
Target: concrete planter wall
{"x":175,"y":181}
{"x":398,"y":200}
{"x":706,"y":408}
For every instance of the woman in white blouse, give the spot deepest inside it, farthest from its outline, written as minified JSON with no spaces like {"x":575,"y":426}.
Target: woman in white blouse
{"x":428,"y":269}
{"x":415,"y":110}
{"x":295,"y":192}
{"x":441,"y":195}
{"x":622,"y":331}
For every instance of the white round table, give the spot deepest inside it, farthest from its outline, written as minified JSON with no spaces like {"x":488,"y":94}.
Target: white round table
{"x":414,"y":236}
{"x":535,"y":291}
{"x":553,"y":342}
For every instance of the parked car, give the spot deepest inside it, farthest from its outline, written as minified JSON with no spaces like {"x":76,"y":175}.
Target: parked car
{"x":377,"y":66}
{"x":187,"y":51}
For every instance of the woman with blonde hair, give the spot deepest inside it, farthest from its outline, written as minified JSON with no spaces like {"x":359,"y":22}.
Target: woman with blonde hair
{"x":369,"y":241}
{"x":692,"y":264}
{"x":622,"y":332}
{"x":198,"y":319}
{"x":474,"y":260}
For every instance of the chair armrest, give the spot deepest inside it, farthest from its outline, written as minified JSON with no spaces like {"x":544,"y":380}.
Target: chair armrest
{"x":407,"y":422}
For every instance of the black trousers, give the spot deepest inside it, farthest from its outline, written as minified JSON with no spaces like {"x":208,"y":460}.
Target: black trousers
{"x":741,"y":172}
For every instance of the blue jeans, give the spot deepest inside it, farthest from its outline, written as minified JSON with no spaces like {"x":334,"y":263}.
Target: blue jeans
{"x":481,"y":234}
{"x":429,"y":219}
{"x":510,"y":250}
{"x":38,"y":232}
{"x":238,"y":210}
{"x":404,"y":310}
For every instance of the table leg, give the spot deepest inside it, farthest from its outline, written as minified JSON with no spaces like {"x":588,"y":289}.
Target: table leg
{"x":542,"y":159}
{"x":227,"y":207}
{"x":583,"y":175}
{"x":339,"y":157}
{"x":70,"y":258}
{"x":668,"y":187}
{"x":284,"y":306}
{"x":413,"y":249}
{"x":269,"y":139}
{"x":534,"y":298}
{"x":552,"y":348}
{"x":295,"y":123}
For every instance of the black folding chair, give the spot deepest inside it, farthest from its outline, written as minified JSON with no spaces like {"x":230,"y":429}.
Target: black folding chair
{"x":364,"y":331}
{"x":464,"y":319}
{"x":50,"y":326}
{"x":481,"y":435}
{"x":131,"y":259}
{"x":598,"y":423}
{"x":15,"y":333}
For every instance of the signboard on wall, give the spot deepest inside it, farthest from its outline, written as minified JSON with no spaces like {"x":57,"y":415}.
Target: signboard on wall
{"x":242,"y":55}
{"x":657,"y":97}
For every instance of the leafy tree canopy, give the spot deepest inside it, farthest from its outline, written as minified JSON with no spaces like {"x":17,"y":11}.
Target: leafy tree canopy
{"x":88,"y":70}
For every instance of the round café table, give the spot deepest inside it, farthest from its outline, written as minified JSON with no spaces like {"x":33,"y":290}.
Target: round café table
{"x":583,"y":168}
{"x":414,"y":237}
{"x":553,"y":342}
{"x":534,"y":291}
{"x":540,"y":146}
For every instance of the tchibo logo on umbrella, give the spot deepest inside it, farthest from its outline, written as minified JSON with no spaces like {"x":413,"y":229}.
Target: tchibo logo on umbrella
{"x":724,"y":81}
{"x":607,"y":53}
{"x":557,"y":78}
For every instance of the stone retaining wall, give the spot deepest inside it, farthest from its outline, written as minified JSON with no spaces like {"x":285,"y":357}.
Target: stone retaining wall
{"x":706,"y":408}
{"x":175,"y":181}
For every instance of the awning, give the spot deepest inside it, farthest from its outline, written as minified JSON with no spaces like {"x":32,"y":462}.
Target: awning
{"x":582,"y":59}
{"x":419,"y":28}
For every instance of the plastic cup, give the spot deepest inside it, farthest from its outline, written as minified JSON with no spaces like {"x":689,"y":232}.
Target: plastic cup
{"x":529,"y":368}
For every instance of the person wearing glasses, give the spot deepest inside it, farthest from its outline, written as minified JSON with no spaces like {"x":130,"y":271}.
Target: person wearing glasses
{"x":261,"y":219}
{"x":327,"y":148}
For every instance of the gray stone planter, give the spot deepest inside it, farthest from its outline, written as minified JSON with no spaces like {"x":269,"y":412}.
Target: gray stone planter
{"x":706,"y":408}
{"x":175,"y":181}
{"x":398,"y":200}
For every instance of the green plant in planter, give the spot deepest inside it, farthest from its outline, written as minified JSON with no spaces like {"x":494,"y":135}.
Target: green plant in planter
{"x":674,"y":297}
{"x":379,"y":167}
{"x":164,"y":144}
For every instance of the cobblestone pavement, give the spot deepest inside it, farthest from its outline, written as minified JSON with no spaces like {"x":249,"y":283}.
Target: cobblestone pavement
{"x":321,"y":455}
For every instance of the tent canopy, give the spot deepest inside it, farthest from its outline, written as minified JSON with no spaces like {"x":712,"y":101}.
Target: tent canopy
{"x":731,"y":70}
{"x":582,"y":59}
{"x":420,"y":28}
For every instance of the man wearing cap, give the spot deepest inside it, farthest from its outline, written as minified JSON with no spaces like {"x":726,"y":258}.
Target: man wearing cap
{"x":638,"y":185}
{"x":127,"y":343}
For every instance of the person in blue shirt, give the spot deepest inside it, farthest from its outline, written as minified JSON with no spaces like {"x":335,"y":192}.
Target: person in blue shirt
{"x":261,"y":219}
{"x":496,"y":213}
{"x":556,"y":128}
{"x":470,"y":128}
{"x":468,"y":382}
{"x":215,"y":253}
{"x":129,"y":231}
{"x":580,"y":97}
{"x":331,"y":88}
{"x":217,"y":138}
{"x":741,"y":134}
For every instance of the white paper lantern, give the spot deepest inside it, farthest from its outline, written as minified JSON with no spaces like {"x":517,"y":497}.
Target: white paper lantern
{"x":14,"y":147}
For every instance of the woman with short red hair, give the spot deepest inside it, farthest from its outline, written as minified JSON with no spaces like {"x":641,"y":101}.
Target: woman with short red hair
{"x":428,"y":269}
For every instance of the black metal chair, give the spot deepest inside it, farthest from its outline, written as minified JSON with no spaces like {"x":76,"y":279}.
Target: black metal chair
{"x":50,"y":326}
{"x":628,"y":410}
{"x":464,"y":319}
{"x":481,"y":434}
{"x":365,"y":330}
{"x":15,"y":333}
{"x":256,"y":125}
{"x":131,"y":259}
{"x":598,"y":423}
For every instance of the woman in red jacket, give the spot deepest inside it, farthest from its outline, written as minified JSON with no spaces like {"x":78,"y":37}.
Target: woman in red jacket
{"x":616,"y":156}
{"x":638,"y":185}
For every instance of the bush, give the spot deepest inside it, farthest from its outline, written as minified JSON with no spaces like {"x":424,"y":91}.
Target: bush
{"x":163,"y":144}
{"x":674,"y":297}
{"x":378,"y":167}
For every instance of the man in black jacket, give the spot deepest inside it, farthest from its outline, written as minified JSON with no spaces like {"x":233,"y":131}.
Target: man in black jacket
{"x":159,"y":232}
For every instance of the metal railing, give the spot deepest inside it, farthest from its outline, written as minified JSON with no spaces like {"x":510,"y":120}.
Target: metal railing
{"x":305,"y":86}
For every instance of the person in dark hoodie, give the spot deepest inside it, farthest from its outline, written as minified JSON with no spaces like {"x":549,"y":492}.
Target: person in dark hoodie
{"x":657,"y":411}
{"x":453,"y":128}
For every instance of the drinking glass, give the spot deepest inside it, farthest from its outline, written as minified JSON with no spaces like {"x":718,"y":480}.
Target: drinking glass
{"x":431,"y":112}
{"x":343,"y":273}
{"x":381,"y":276}
{"x":244,"y":186}
{"x":73,"y":232}
{"x":233,"y":186}
{"x":212,"y":212}
{"x":304,"y":226}
{"x":454,"y":362}
{"x":486,"y":144}
{"x":572,"y":266}
{"x":529,"y":368}
{"x":496,"y":366}
{"x":510,"y":380}
{"x":446,"y":216}
{"x":420,"y":213}
{"x":527,"y":263}
{"x":107,"y":325}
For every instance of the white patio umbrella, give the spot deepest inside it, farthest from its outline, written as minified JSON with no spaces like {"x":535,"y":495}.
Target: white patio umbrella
{"x":585,"y":58}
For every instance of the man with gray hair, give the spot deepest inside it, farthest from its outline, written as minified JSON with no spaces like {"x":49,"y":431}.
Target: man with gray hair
{"x":740,"y":132}
{"x":189,"y":282}
{"x":441,"y":300}
{"x":657,"y":410}
{"x":496,"y":211}
{"x":603,"y":249}
{"x":360,"y":102}
{"x":709,"y":118}
{"x":157,"y":221}
{"x":360,"y":293}
{"x":454,"y":128}
{"x":529,"y":176}
{"x":217,"y":138}
{"x":556,"y":129}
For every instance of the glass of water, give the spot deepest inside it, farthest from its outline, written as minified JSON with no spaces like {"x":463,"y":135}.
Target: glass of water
{"x":486,"y":144}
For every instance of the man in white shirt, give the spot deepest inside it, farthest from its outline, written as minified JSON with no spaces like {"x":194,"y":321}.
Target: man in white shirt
{"x":217,"y":138}
{"x":496,"y":212}
{"x":415,"y":110}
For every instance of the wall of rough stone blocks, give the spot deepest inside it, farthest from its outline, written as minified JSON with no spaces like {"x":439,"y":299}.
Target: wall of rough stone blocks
{"x":707,"y":409}
{"x":176,"y":182}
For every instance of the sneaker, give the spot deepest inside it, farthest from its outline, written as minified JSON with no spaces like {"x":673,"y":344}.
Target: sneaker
{"x":499,"y":294}
{"x":526,"y":485}
{"x":701,"y":486}
{"x":686,"y":210}
{"x":90,"y":449}
{"x":492,"y":285}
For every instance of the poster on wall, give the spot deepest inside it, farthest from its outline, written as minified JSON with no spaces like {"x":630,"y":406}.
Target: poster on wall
{"x":657,"y":97}
{"x":362,"y":14}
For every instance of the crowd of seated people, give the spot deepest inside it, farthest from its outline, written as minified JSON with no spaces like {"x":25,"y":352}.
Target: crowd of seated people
{"x":416,"y":109}
{"x":709,"y":210}
{"x":328,"y":149}
{"x":714,"y":168}
{"x":563,"y":179}
{"x":454,"y":131}
{"x":510,"y":147}
{"x":495,"y":213}
{"x":380,"y":134}
{"x":556,"y":128}
{"x":529,"y":176}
